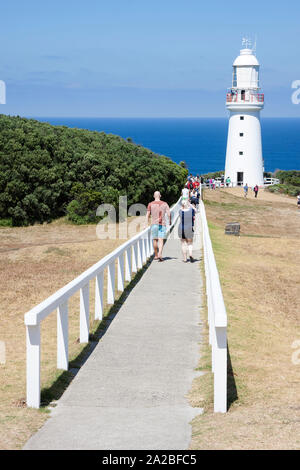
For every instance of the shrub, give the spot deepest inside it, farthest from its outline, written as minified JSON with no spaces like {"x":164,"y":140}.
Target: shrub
{"x":5,"y":222}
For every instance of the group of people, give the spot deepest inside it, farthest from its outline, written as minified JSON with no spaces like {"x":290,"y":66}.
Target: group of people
{"x":158,"y":211}
{"x":246,"y":189}
{"x":189,"y":206}
{"x":213,"y":183}
{"x":191,"y":191}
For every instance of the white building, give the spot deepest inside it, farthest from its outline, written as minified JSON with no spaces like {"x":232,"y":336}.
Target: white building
{"x":244,"y":162}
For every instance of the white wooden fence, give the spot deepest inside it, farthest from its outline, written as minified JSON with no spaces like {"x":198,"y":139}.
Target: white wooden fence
{"x":271,"y":181}
{"x":217,"y":320}
{"x":131,"y":256}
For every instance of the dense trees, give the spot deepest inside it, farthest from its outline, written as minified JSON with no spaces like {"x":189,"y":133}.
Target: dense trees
{"x":47,"y":171}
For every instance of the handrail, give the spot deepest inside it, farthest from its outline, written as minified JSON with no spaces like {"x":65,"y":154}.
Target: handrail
{"x":244,"y":95}
{"x":251,"y":98}
{"x":222,"y":184}
{"x":131,"y":256}
{"x":217,"y":319}
{"x":42,"y":310}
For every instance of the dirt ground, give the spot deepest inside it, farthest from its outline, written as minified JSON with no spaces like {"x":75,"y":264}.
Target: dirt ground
{"x":34,"y":263}
{"x":259,"y":272}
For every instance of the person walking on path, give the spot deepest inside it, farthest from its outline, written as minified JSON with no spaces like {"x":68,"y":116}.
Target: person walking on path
{"x":228,"y":181}
{"x":193,"y":199}
{"x":196,"y":184}
{"x":186,"y":230}
{"x":246,"y":190}
{"x":298,"y":201}
{"x":255,"y":189}
{"x":185,"y":193}
{"x":158,"y":210}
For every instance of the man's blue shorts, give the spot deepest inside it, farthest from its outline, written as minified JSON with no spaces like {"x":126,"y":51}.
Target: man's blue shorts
{"x":158,"y":231}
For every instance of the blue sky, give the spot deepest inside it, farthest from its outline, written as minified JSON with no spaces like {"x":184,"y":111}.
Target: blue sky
{"x":142,"y":58}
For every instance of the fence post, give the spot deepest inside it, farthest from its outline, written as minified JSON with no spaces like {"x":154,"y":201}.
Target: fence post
{"x":99,"y":296}
{"x":147,"y":241}
{"x":134,"y":258}
{"x":144,"y":255}
{"x":63,"y":337}
{"x":84,"y":314}
{"x":121,"y":273}
{"x":111,"y":283}
{"x":139,"y":254}
{"x":151,"y":243}
{"x":220,"y":372}
{"x":33,"y":341}
{"x":128,"y":265}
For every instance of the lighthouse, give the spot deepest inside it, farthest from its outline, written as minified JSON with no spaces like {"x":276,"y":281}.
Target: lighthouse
{"x":244,"y":101}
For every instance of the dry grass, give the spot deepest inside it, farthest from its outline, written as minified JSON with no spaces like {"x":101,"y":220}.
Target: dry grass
{"x":260,"y":274}
{"x":35,"y":262}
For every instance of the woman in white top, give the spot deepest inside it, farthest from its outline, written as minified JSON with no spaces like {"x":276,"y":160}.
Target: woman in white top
{"x":185,"y":194}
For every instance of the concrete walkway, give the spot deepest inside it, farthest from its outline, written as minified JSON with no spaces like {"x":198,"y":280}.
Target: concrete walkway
{"x":131,"y":392}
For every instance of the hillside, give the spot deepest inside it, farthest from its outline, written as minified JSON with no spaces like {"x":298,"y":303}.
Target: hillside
{"x":43,"y":168}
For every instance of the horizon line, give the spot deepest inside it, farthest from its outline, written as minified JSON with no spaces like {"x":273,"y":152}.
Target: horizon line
{"x":146,"y":117}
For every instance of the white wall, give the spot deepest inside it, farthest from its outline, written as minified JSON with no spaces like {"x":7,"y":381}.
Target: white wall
{"x":250,"y":163}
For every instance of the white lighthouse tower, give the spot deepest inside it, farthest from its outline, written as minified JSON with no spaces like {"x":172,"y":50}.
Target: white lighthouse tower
{"x":244,"y":162}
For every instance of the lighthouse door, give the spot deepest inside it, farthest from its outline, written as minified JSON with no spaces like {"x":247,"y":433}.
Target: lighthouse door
{"x":240,"y":178}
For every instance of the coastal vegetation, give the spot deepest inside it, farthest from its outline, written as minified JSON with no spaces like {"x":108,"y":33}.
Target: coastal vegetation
{"x":47,"y":172}
{"x":289,"y":182}
{"x":214,"y":174}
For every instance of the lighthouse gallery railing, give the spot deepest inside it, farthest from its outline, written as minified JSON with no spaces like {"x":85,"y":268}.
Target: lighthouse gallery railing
{"x":251,"y":98}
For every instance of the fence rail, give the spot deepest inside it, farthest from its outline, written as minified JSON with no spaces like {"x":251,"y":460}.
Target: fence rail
{"x":246,"y":98}
{"x":221,"y":184}
{"x":217,"y":320}
{"x":130,"y":257}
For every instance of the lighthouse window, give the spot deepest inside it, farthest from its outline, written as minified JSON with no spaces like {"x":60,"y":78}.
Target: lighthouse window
{"x":234,"y":78}
{"x":241,"y":153}
{"x":241,"y":118}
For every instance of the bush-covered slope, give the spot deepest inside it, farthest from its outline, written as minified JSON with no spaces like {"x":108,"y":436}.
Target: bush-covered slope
{"x":289,"y":182}
{"x":43,"y":168}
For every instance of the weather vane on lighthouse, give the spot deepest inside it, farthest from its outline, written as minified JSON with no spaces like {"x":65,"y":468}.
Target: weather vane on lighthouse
{"x":246,"y":42}
{"x":244,"y":162}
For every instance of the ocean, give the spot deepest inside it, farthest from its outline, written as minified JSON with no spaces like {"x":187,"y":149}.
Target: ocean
{"x":200,"y":142}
